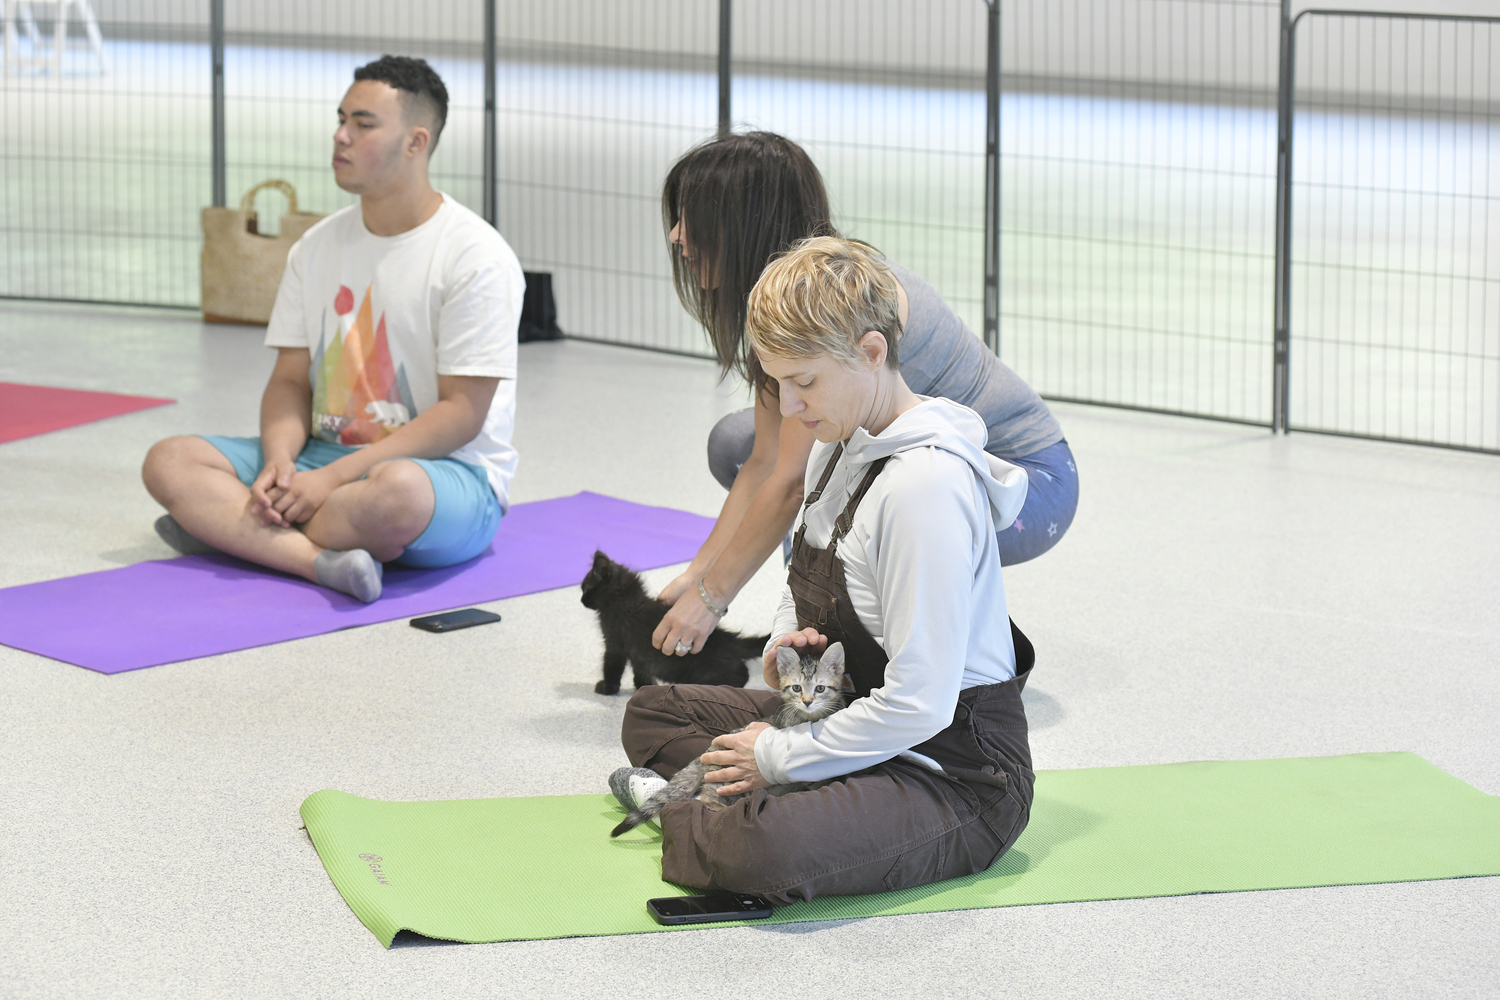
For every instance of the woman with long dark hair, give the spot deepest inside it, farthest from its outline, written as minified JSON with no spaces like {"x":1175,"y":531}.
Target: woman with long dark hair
{"x":729,"y":207}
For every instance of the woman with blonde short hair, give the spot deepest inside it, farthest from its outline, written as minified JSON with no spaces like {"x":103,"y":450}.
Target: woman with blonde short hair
{"x":928,"y":770}
{"x":729,"y":206}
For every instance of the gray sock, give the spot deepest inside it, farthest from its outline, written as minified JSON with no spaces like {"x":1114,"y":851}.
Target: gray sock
{"x":173,"y":534}
{"x":354,"y":572}
{"x":634,"y":785}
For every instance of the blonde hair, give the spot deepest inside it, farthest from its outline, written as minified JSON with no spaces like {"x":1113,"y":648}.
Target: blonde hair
{"x":821,"y":297}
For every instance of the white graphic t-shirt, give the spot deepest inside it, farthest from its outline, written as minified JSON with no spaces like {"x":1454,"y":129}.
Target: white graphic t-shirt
{"x":384,"y":316}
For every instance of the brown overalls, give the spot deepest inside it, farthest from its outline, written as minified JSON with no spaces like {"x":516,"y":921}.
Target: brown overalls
{"x":893,"y":826}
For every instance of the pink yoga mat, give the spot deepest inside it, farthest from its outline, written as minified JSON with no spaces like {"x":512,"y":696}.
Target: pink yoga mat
{"x":29,"y":410}
{"x":180,"y":609}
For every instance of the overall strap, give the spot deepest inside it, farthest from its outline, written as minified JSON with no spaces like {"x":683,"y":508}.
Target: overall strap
{"x":812,"y":497}
{"x":845,"y":520}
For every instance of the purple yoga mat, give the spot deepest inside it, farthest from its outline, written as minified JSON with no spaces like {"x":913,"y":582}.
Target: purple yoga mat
{"x":180,"y":609}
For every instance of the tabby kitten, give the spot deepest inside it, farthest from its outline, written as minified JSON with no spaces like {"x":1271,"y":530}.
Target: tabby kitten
{"x":627,"y":617}
{"x":811,"y":689}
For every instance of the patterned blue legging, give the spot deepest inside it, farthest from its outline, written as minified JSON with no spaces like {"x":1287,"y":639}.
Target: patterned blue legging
{"x":1051,"y":496}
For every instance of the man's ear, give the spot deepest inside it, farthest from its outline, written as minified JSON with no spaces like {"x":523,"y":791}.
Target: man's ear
{"x":420,"y":140}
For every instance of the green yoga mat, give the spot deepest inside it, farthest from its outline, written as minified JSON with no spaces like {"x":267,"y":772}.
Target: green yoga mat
{"x":527,"y":868}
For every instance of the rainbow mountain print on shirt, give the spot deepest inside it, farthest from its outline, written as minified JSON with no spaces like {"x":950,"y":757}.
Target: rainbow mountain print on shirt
{"x":359,"y":395}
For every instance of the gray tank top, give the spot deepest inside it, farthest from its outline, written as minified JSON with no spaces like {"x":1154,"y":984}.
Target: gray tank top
{"x":940,"y":356}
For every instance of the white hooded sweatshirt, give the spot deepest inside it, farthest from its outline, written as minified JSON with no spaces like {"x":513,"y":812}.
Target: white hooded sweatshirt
{"x":923,"y":573}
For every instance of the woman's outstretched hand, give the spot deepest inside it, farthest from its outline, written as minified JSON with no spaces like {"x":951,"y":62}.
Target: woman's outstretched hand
{"x":809,"y":639}
{"x":688,"y":621}
{"x":734,"y":753}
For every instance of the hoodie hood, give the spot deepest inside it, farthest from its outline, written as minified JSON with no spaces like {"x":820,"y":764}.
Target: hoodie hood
{"x":953,"y":427}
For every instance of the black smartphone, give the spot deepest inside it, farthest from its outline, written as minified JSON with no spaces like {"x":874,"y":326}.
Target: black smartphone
{"x":708,"y":909}
{"x":450,"y":620}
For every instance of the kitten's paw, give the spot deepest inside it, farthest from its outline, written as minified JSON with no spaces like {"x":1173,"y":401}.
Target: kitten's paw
{"x":605,"y":687}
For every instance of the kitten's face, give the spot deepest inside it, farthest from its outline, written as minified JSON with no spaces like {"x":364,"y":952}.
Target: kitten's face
{"x":603,"y":571}
{"x":813,"y":685}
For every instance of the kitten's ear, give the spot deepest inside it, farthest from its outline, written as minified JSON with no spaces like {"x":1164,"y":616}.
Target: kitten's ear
{"x":600,"y":559}
{"x":833,"y":657}
{"x":786,"y":659}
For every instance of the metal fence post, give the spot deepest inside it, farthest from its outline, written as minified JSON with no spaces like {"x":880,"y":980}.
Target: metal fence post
{"x":216,"y":45}
{"x":491,"y":138}
{"x":992,"y":179}
{"x":1285,"y":96}
{"x":726,"y":20}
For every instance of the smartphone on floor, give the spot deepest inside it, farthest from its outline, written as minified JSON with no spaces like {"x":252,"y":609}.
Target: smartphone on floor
{"x":709,"y":908}
{"x":449,"y":621}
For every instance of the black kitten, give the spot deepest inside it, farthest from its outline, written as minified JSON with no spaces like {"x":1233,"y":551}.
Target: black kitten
{"x":627,"y":617}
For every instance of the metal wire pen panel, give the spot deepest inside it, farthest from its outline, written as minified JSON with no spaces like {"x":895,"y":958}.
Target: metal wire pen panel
{"x":1138,"y":142}
{"x":1138,"y":148}
{"x":1395,"y":303}
{"x":594,"y":103}
{"x":287,"y":65}
{"x":888,"y":99}
{"x":105,"y":148}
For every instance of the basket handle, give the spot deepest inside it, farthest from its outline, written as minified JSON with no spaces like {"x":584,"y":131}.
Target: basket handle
{"x":247,"y":203}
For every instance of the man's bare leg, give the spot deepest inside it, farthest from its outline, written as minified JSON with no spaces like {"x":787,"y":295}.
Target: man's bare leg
{"x":381,"y":514}
{"x":197,"y":485}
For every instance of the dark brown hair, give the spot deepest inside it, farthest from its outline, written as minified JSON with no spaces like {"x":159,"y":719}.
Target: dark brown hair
{"x":742,"y":199}
{"x":419,"y":86}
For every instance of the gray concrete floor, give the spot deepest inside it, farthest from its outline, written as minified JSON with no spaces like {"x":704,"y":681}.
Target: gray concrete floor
{"x":1223,"y":594}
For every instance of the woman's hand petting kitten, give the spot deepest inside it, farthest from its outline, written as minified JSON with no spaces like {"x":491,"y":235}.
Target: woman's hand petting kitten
{"x":809,"y":639}
{"x":734,"y":755}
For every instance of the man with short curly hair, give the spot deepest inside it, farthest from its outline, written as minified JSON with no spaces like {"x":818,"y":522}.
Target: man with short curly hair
{"x":385,"y":428}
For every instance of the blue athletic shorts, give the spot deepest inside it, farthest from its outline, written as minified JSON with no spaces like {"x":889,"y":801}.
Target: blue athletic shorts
{"x":465,"y":514}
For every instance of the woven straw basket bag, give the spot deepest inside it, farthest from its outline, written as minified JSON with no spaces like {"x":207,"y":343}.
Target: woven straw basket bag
{"x":241,"y":268}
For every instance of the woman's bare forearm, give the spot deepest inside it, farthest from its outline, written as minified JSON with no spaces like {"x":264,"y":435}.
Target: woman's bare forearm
{"x":752,"y":476}
{"x":762,"y":505}
{"x":767,"y":518}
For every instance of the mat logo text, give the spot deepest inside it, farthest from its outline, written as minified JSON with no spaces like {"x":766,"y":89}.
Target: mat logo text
{"x":374,"y":861}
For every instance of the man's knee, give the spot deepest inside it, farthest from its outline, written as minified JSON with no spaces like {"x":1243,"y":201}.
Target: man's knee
{"x":401,"y":498}
{"x":171,"y":464}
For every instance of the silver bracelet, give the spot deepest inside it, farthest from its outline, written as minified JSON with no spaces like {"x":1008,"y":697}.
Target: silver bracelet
{"x":703,"y":593}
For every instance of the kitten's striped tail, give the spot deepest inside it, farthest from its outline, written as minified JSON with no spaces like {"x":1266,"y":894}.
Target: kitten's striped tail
{"x":630,"y":822}
{"x":684,"y":785}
